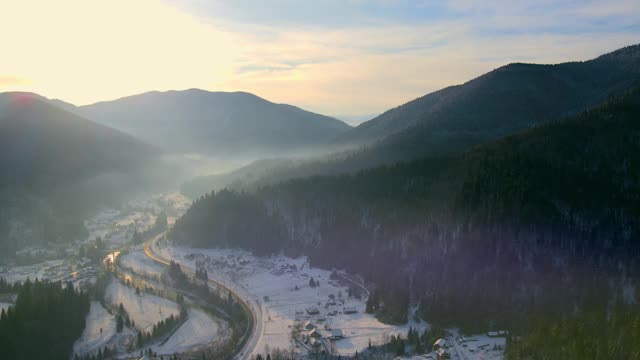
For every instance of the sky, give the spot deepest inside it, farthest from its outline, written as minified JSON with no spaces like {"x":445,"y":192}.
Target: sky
{"x":347,"y":58}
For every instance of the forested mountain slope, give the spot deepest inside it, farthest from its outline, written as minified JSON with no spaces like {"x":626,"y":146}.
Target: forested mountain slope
{"x":56,"y":166}
{"x":501,"y":102}
{"x":513,"y":233}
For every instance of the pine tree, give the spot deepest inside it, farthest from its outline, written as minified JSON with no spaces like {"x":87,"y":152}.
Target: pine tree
{"x":119,"y":323}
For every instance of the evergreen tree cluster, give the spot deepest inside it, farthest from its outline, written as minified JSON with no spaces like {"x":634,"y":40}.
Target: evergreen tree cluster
{"x":214,"y":221}
{"x":201,"y":272}
{"x":160,"y":329}
{"x":44,"y":323}
{"x":595,"y":333}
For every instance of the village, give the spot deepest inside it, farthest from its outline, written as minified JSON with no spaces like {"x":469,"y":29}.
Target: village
{"x":308,"y":311}
{"x":304,"y":311}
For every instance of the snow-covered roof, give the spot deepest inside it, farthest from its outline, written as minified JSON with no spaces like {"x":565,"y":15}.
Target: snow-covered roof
{"x":441,"y":351}
{"x":440,"y":343}
{"x":309,"y":325}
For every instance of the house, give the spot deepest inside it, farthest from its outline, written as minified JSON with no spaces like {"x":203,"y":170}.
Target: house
{"x":442,"y":354}
{"x":313,"y":310}
{"x":349,"y":310}
{"x":440,"y":344}
{"x":336,"y":334}
{"x":315,"y":342}
{"x":309,"y":325}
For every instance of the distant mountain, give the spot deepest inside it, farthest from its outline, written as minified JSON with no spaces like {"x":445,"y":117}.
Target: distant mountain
{"x":501,"y":102}
{"x":57,"y":165}
{"x":219,"y":123}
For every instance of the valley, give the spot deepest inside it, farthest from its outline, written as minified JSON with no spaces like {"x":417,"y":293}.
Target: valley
{"x":491,"y":211}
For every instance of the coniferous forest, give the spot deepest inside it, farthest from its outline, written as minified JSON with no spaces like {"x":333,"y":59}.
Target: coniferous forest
{"x":530,"y":232}
{"x":44,"y":323}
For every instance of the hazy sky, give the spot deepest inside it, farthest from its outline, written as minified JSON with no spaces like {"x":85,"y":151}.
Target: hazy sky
{"x":349,"y":57}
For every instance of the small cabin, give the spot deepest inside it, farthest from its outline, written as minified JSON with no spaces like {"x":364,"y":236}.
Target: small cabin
{"x":349,"y":310}
{"x":313,"y":310}
{"x":308,"y":325}
{"x":442,"y":354}
{"x":314,"y":334}
{"x":315,"y":342}
{"x":440,"y":344}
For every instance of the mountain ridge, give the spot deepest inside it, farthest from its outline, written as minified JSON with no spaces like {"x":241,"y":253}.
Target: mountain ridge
{"x":424,"y":110}
{"x":230,"y":123}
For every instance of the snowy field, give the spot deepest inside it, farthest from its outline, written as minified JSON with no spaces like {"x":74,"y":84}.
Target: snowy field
{"x":281,"y":286}
{"x":144,"y":309}
{"x":137,"y":261}
{"x":200,"y":329}
{"x":79,"y":273}
{"x":100,"y":331}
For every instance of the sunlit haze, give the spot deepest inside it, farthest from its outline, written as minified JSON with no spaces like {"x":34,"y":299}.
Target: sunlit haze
{"x":348,"y":58}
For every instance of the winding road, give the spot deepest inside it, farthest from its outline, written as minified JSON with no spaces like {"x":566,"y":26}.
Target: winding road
{"x":237,"y":293}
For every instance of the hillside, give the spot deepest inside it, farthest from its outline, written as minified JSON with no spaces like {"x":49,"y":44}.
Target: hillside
{"x":216,"y":123}
{"x":501,"y":102}
{"x":57,"y":165}
{"x":517,"y":232}
{"x":455,"y":119}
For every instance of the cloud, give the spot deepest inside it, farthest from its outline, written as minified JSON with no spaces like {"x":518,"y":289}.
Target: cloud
{"x":336,"y":56}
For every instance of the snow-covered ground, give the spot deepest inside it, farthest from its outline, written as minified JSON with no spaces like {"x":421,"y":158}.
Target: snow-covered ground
{"x":137,"y":261}
{"x":116,"y":227}
{"x":281,"y":286}
{"x":200,"y":329}
{"x":100,"y":331}
{"x":66,"y":270}
{"x":474,"y":347}
{"x":144,"y":309}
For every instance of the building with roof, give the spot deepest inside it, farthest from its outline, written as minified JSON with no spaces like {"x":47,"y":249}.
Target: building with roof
{"x":349,"y":310}
{"x":308,"y":325}
{"x":440,"y":344}
{"x":336,"y":334}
